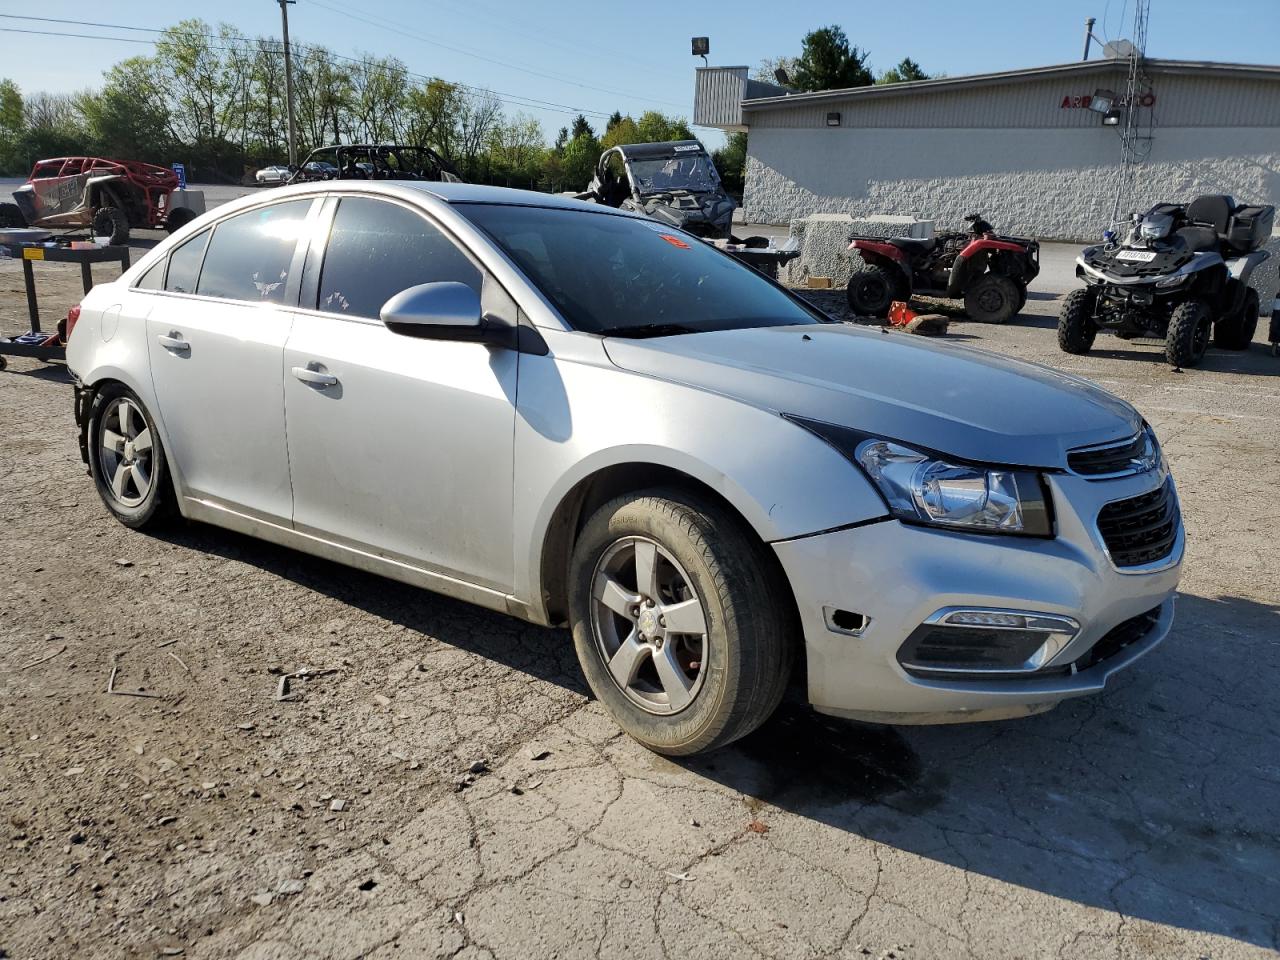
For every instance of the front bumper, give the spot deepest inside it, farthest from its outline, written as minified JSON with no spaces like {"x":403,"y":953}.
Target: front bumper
{"x":897,"y":576}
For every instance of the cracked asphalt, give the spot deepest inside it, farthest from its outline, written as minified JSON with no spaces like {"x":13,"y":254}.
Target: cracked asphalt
{"x":451,"y":790}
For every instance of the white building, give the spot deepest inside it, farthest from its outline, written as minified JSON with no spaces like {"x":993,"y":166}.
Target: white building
{"x":1021,"y":147}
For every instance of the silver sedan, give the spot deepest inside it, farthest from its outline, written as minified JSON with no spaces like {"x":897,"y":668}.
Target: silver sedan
{"x":577,"y":416}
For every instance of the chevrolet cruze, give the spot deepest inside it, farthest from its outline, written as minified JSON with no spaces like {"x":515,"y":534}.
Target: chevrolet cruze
{"x":578,"y":416}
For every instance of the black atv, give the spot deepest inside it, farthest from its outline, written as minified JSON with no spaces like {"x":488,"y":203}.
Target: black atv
{"x":1178,"y":274}
{"x":673,"y":182}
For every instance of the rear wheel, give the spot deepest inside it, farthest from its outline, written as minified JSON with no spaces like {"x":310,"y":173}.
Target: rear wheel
{"x":11,"y":216}
{"x":126,"y":459}
{"x":992,"y":298}
{"x":1076,"y":327}
{"x":112,"y":223}
{"x":1188,"y":336}
{"x":1236,"y":331}
{"x":871,"y":290}
{"x":679,"y":621}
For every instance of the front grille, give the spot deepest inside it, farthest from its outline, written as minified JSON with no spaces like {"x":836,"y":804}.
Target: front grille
{"x":1122,"y":457}
{"x":1142,"y":529}
{"x":1118,"y":637}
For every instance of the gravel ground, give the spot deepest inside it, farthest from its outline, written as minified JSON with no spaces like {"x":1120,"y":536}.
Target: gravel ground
{"x":451,"y":790}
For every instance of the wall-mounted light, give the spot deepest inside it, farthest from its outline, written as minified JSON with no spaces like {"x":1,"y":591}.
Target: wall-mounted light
{"x":1111,"y":118}
{"x":833,"y":119}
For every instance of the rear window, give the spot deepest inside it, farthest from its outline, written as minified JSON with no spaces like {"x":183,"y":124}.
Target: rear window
{"x":250,"y":255}
{"x":625,"y":276}
{"x":184,"y":264}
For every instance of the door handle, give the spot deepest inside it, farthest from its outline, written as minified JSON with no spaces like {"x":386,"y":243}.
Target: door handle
{"x":173,"y":341}
{"x":309,"y":374}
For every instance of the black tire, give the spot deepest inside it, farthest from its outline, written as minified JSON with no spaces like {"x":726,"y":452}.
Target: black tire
{"x":1076,"y":327}
{"x":1022,"y":294}
{"x":746,"y":652}
{"x":111,"y":222}
{"x":11,"y":216}
{"x":871,"y":290}
{"x":1188,"y":336}
{"x":992,"y":298}
{"x":178,"y":218}
{"x":156,"y":503}
{"x":1236,"y":331}
{"x":4,"y":362}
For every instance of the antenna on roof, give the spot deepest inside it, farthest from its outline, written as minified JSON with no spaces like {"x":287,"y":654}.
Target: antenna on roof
{"x":1118,"y":50}
{"x":781,"y":76}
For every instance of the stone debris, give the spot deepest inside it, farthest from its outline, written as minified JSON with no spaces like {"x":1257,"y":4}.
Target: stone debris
{"x":291,"y":887}
{"x":337,"y":806}
{"x":124,"y":563}
{"x":262,"y":899}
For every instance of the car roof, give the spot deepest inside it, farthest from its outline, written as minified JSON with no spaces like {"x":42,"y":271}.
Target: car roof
{"x":482,"y":193}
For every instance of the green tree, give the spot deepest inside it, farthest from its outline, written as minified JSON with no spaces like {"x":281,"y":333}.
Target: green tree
{"x":615,"y":118}
{"x":11,"y":126}
{"x":731,"y":162}
{"x":578,"y":162}
{"x":906,"y":71}
{"x":580,"y":128}
{"x":655,"y":127}
{"x":624,"y":131}
{"x":828,"y":62}
{"x":129,"y":118}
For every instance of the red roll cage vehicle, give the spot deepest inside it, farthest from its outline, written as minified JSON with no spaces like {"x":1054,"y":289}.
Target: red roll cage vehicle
{"x":108,"y":196}
{"x":988,"y":271}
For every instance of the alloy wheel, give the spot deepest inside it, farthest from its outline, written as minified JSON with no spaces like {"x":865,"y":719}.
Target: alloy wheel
{"x":649,"y":625}
{"x":125,"y":452}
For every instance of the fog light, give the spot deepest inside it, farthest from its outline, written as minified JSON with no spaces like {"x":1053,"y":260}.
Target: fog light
{"x":968,"y":644}
{"x":977,"y":618}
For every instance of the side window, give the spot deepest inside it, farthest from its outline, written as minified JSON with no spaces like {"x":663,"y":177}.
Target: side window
{"x":250,"y":254}
{"x":153,"y":279}
{"x":376,"y":249}
{"x":184,"y":264}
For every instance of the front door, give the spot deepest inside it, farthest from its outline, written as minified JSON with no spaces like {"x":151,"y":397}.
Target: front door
{"x":215,"y":340}
{"x":397,"y":445}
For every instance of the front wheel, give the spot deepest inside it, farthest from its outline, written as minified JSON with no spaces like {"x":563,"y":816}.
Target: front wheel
{"x":112,"y":223}
{"x":1236,"y":331}
{"x":126,"y":459}
{"x":680,"y":623}
{"x":992,"y":298}
{"x":871,"y":290}
{"x":1188,"y":336}
{"x":1076,"y":326}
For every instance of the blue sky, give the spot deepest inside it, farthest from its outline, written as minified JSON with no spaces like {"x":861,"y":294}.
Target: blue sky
{"x":575,"y":53}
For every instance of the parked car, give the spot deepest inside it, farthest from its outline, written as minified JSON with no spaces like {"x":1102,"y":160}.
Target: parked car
{"x":108,"y":196}
{"x":274,"y":175}
{"x":578,"y":416}
{"x":314,"y":170}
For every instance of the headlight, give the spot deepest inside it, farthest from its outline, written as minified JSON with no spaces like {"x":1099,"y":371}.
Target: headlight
{"x":1172,"y":281}
{"x":924,"y":488}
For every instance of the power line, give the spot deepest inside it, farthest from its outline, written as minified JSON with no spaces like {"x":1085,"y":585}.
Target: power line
{"x":510,"y":99}
{"x":399,"y":29}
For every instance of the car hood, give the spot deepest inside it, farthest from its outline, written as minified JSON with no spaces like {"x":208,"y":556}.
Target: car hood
{"x":968,"y":403}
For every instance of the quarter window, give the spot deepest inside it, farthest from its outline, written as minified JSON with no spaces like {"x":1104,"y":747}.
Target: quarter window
{"x":251,"y":254}
{"x":376,"y":249}
{"x":153,"y":279}
{"x":184,"y":264}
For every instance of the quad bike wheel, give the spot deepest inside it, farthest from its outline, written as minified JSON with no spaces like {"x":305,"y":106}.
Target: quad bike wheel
{"x":1188,"y":337}
{"x":1076,"y":327}
{"x":1022,"y":294}
{"x":178,"y":218}
{"x":992,"y":298}
{"x":11,"y":216}
{"x":111,"y":222}
{"x":1236,"y":331}
{"x":678,"y":620}
{"x":871,"y":290}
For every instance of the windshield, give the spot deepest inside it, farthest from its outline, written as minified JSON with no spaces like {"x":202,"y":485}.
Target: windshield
{"x":691,"y":172}
{"x":625,"y":276}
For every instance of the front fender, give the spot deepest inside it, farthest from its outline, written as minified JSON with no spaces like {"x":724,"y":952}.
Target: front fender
{"x":575,"y":419}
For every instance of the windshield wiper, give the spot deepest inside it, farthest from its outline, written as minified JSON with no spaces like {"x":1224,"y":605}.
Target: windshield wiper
{"x":641,"y":330}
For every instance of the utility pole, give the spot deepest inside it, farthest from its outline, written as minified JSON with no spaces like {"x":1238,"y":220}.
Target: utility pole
{"x":1088,"y":37}
{"x":288,"y":81}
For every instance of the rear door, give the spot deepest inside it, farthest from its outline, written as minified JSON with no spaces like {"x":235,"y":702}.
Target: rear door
{"x":216,"y":344}
{"x":401,"y":447}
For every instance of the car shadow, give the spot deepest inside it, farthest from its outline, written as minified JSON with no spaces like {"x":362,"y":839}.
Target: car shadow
{"x":1257,"y":361}
{"x":1155,"y":799}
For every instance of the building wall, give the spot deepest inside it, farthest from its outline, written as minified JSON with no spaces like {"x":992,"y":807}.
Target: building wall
{"x":1052,"y":183}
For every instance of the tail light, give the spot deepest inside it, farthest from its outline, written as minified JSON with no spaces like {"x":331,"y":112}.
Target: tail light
{"x":72,"y":316}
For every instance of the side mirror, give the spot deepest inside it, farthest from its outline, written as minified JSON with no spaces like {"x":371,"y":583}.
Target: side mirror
{"x":435,"y":311}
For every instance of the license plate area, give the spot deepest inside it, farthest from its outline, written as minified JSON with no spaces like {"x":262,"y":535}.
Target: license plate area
{"x":1140,"y":256}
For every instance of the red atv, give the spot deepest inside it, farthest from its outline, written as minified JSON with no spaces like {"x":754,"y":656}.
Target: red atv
{"x":989,"y":272}
{"x":108,"y":196}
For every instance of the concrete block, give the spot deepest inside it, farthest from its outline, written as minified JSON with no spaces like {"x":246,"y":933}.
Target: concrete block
{"x":824,"y":242}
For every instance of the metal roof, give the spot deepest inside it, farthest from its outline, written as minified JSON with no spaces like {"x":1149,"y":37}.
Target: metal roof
{"x":906,"y":88}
